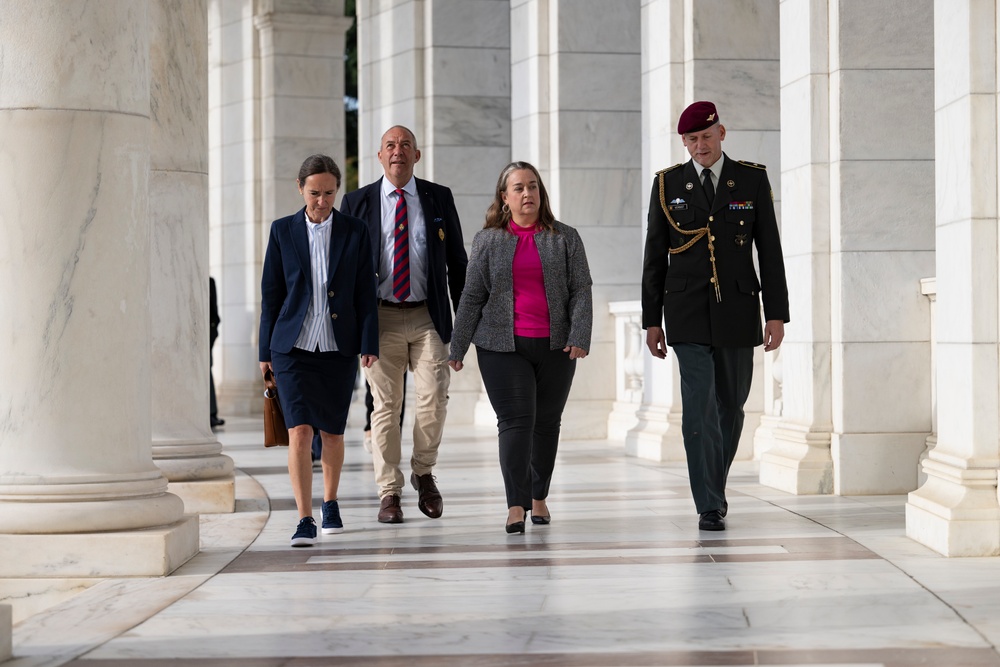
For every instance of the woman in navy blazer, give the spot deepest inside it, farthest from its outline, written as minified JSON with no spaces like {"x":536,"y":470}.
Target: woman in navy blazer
{"x":318,"y":313}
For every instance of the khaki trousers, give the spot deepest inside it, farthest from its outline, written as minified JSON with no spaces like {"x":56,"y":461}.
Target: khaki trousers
{"x":407,"y":338}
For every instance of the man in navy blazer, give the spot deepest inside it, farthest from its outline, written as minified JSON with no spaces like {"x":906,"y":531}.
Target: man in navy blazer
{"x":420,"y":258}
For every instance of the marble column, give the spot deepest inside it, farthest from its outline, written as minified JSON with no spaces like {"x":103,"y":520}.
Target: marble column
{"x":692,"y":51}
{"x":796,"y":456}
{"x":955,"y":512}
{"x":235,"y":243}
{"x":184,"y":446}
{"x":79,"y":492}
{"x":575,"y":116}
{"x":858,"y":175}
{"x":442,"y":69}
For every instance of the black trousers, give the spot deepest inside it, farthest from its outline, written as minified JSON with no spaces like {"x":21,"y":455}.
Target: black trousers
{"x":528,"y":389}
{"x":715,"y":383}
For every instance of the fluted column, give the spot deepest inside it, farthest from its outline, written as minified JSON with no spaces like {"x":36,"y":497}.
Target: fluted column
{"x":79,"y":492}
{"x":955,"y":511}
{"x":184,"y":446}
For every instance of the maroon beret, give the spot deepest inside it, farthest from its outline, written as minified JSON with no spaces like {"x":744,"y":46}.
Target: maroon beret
{"x":697,"y":117}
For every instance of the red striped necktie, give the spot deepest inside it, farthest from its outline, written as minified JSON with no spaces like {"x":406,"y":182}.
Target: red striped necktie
{"x":401,"y":251}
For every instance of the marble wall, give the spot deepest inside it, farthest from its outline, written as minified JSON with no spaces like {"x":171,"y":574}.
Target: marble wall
{"x":442,"y":69}
{"x":575,"y":116}
{"x":275,"y":95}
{"x":689,"y":53}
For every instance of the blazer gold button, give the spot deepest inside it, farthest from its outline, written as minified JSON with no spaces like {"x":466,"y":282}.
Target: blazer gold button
{"x":711,"y":280}
{"x":334,"y":315}
{"x":711,"y":218}
{"x":741,"y":222}
{"x":330,"y":293}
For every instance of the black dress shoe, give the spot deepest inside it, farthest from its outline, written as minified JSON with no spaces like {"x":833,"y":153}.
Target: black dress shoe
{"x":712,"y":520}
{"x":540,"y":520}
{"x":216,"y":421}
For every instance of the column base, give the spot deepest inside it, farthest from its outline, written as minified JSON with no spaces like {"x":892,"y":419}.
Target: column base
{"x":798,"y":462}
{"x":763,"y":437}
{"x":210,"y":496}
{"x":242,"y":398}
{"x":955,"y":512}
{"x":6,"y":630}
{"x":148,"y":552}
{"x":657,"y":436}
{"x":622,"y":420}
{"x":585,"y":419}
{"x":871,"y":464}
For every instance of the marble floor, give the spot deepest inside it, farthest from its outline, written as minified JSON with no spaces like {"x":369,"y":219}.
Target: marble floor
{"x":621,"y":577}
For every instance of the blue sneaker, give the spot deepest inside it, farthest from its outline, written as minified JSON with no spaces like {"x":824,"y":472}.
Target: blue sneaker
{"x":305,"y":534}
{"x":331,"y":518}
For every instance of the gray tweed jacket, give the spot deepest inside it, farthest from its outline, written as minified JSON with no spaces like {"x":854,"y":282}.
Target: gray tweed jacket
{"x":485,"y":314}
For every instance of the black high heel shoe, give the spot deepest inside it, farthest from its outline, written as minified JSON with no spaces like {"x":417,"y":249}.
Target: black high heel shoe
{"x":516,"y":527}
{"x":540,"y":520}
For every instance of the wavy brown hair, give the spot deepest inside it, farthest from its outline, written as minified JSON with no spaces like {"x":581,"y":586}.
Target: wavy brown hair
{"x":497,"y":216}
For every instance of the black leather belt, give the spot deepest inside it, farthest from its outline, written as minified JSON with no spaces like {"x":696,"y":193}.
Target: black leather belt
{"x":402,"y":304}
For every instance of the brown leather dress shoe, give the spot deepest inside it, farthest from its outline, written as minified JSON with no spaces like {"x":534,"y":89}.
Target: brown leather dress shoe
{"x":429,"y":501}
{"x":390,"y":511}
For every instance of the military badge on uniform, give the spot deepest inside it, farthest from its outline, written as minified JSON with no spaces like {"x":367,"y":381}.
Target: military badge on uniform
{"x":677,"y":205}
{"x":741,"y":240}
{"x":441,"y":234}
{"x":689,"y":186}
{"x":741,"y":206}
{"x":731,"y":183}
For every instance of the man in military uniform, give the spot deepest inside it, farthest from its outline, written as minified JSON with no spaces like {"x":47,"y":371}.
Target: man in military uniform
{"x":698,"y":277}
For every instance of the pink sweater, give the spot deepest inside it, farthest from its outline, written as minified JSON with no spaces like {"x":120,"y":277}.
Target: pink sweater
{"x":531,"y":308}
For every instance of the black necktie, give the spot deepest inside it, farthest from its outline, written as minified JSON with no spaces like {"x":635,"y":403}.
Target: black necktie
{"x":709,"y":188}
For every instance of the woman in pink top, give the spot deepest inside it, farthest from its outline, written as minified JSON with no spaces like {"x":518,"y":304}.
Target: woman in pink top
{"x":528,"y":309}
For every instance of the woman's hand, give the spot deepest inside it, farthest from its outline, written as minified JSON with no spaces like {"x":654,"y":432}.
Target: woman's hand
{"x":456,"y":365}
{"x":575,"y":352}
{"x":265,"y":366}
{"x":367,"y":360}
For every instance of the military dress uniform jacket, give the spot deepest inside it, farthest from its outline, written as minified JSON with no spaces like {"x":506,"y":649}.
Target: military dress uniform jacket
{"x":719,"y":307}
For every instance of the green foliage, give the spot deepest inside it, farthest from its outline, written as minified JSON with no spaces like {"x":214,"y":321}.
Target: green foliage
{"x":351,"y":99}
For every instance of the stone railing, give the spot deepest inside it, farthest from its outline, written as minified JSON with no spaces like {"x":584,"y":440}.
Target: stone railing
{"x":928,"y":287}
{"x":629,"y":380}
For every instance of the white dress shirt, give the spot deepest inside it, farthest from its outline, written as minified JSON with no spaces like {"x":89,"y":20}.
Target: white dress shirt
{"x":317,"y":330}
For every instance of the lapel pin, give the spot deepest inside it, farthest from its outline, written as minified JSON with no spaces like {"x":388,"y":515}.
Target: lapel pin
{"x":689,"y":186}
{"x":441,"y":234}
{"x":731,"y":183}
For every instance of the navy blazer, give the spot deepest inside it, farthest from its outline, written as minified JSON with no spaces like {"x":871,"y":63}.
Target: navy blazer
{"x":446,"y":257}
{"x":286,"y":286}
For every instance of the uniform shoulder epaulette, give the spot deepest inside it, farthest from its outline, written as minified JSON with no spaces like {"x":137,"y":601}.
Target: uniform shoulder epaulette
{"x":663,"y":171}
{"x":752,"y":164}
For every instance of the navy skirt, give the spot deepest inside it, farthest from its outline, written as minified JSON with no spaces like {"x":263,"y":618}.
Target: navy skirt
{"x":315,"y":388}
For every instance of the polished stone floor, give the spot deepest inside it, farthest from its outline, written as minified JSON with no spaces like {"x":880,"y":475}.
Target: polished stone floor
{"x":621,"y":577}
